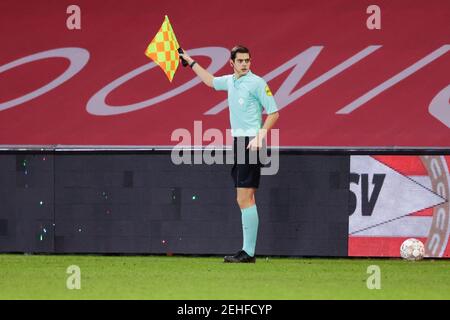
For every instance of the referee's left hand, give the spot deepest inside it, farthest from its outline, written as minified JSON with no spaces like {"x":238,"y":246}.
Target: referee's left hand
{"x":255,"y":144}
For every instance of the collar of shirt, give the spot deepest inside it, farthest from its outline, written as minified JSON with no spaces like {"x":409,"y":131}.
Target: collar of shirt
{"x":240,"y":78}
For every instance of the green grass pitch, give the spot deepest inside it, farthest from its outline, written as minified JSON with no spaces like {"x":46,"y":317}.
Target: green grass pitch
{"x":189,"y":278}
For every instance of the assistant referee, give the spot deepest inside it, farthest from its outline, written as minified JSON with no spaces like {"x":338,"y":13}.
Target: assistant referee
{"x":248,"y":94}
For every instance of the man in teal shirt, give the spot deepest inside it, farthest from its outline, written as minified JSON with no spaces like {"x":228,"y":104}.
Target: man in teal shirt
{"x":248,"y":94}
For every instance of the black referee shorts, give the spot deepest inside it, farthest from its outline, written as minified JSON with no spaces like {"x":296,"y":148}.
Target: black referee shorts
{"x":246,"y":171}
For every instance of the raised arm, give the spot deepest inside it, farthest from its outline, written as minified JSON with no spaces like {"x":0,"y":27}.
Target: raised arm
{"x":204,"y":75}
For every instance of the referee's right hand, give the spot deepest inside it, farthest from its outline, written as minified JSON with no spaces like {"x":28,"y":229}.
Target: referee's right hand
{"x":206,"y":77}
{"x":186,"y":57}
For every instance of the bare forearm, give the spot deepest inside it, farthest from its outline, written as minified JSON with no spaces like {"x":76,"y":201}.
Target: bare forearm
{"x":206,"y":77}
{"x":268,"y":124}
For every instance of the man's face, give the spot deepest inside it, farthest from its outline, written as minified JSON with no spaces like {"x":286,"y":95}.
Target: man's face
{"x":241,"y":64}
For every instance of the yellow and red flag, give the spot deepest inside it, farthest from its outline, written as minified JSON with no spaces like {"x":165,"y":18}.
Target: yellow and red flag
{"x":163,"y":49}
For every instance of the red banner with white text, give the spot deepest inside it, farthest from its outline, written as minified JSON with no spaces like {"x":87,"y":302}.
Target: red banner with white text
{"x":344,"y":73}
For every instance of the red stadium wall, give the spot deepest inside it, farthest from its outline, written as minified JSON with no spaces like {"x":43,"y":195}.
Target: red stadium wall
{"x":351,"y":86}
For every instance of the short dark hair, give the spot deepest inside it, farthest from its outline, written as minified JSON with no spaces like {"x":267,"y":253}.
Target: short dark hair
{"x":238,"y":49}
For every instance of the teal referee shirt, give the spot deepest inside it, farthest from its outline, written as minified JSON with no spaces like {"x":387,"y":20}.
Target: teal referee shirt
{"x":247,"y":96}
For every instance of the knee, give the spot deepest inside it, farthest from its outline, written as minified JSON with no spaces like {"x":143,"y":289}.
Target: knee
{"x":245,"y":201}
{"x":241,"y":201}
